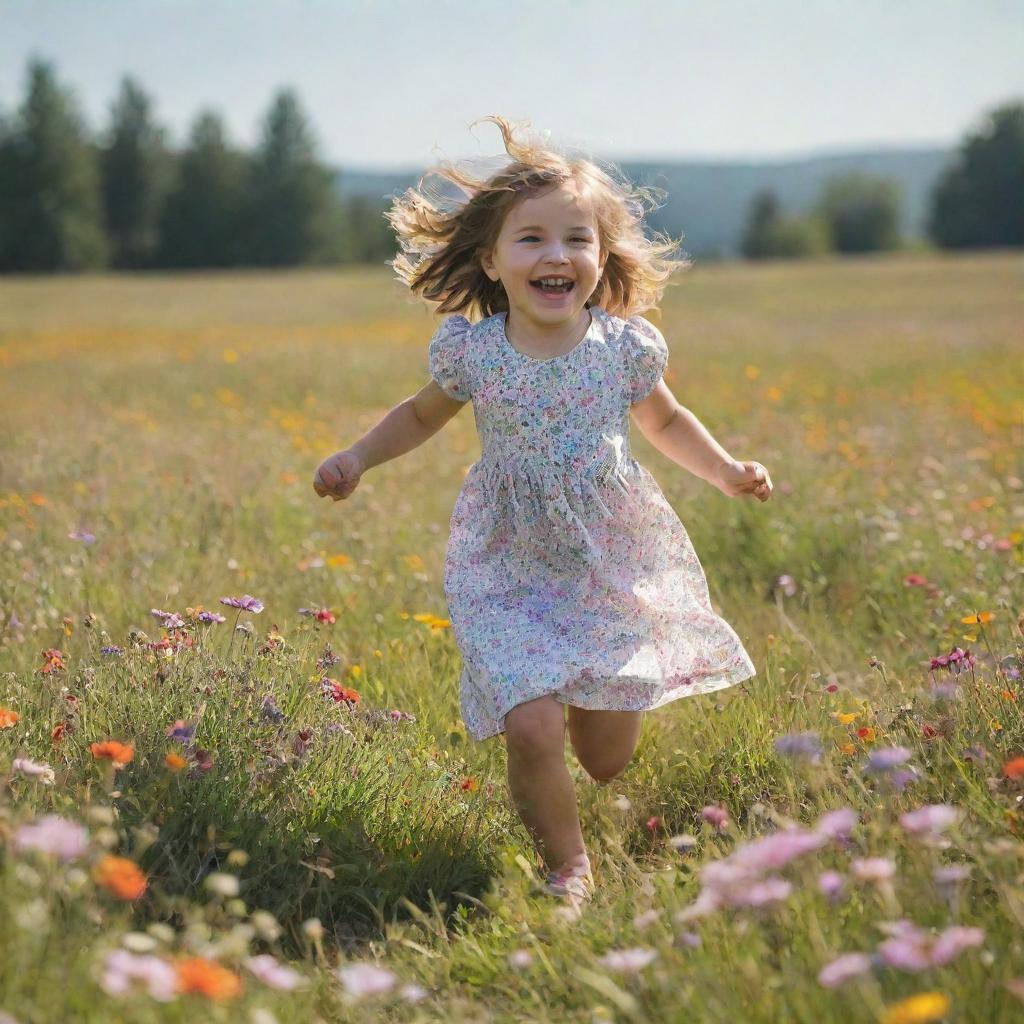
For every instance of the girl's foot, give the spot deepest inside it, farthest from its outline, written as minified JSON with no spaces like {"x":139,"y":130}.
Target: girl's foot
{"x":573,"y":881}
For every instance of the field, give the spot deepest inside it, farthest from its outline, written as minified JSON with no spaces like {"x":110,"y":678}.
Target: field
{"x":279,"y":816}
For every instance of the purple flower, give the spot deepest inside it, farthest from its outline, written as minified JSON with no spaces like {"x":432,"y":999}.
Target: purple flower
{"x":716,"y":816}
{"x":953,"y":941}
{"x":945,"y":691}
{"x":628,"y":961}
{"x":930,"y":819}
{"x":123,"y":971}
{"x":83,"y":535}
{"x":837,"y":824}
{"x":53,"y":835}
{"x":787,"y":583}
{"x":112,"y":649}
{"x":951,"y":874}
{"x":843,"y":969}
{"x":798,"y":745}
{"x":831,"y":884}
{"x":246,"y":603}
{"x":205,"y":616}
{"x":899,"y":779}
{"x":775,"y":851}
{"x":885,"y":759}
{"x":171,"y":620}
{"x":182,"y":732}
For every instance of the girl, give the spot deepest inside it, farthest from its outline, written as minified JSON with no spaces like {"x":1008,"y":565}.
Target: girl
{"x":570,"y":580}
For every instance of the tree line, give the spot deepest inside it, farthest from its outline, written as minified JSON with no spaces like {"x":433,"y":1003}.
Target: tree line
{"x":129,"y":201}
{"x":978,"y":201}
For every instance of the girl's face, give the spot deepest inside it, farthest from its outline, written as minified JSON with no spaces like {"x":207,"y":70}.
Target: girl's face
{"x":553,"y":236}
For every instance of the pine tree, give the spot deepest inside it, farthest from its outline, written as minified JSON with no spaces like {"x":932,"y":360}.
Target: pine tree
{"x":134,"y":165}
{"x":200,"y":224}
{"x":293,"y":212}
{"x":50,"y":207}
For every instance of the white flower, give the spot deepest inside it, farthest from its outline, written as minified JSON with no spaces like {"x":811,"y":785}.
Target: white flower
{"x":628,"y":960}
{"x":273,"y":973}
{"x":365,"y":979}
{"x":33,"y":769}
{"x":122,"y":971}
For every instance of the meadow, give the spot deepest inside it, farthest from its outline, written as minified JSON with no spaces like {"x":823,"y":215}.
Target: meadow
{"x":234,"y":782}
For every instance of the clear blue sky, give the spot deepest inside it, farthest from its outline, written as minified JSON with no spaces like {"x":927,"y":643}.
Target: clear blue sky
{"x":394,"y":83}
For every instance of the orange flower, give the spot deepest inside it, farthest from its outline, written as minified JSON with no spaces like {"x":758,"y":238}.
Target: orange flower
{"x":469,"y":784}
{"x":1014,"y":768}
{"x":845,"y":717}
{"x":980,"y":617}
{"x":8,"y":718}
{"x":58,"y":732}
{"x":120,"y":876}
{"x":54,"y":661}
{"x":118,"y":753}
{"x":848,"y":748}
{"x":175,"y":762}
{"x":207,"y":978}
{"x":866,"y":733}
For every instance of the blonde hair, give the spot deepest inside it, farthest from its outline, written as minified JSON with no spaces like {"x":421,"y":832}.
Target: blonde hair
{"x":442,"y":237}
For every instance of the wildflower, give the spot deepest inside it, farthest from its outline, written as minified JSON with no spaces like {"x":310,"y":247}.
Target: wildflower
{"x":53,"y":835}
{"x":33,"y":769}
{"x":866,"y":733}
{"x":832,"y":688}
{"x":170,"y":620}
{"x":716,"y":816}
{"x":270,"y":710}
{"x":957,"y":659}
{"x":83,"y":535}
{"x":683,"y":843}
{"x":628,"y":961}
{"x":207,"y":616}
{"x":979,"y":618}
{"x":951,"y":874}
{"x":365,"y":979}
{"x":922,"y":1008}
{"x":207,"y":978}
{"x":338,"y":693}
{"x":773,"y":852}
{"x":1014,"y":768}
{"x":121,"y":877}
{"x":647,"y":918}
{"x":945,"y":691}
{"x":845,"y":717}
{"x":843,"y":969}
{"x":872,"y":869}
{"x":58,"y":732}
{"x":245,"y":603}
{"x":469,"y":784}
{"x":181,"y":731}
{"x":175,"y":761}
{"x":53,"y":661}
{"x":831,"y":884}
{"x":884,"y":759}
{"x":653,"y":824}
{"x":801,"y":745}
{"x":910,"y":948}
{"x":119,"y":754}
{"x":688,"y":939}
{"x":273,"y":973}
{"x":787,"y":584}
{"x":221,"y":883}
{"x":837,"y":824}
{"x":111,"y":649}
{"x":915,"y":579}
{"x":520,"y":959}
{"x":124,"y":971}
{"x":930,"y":819}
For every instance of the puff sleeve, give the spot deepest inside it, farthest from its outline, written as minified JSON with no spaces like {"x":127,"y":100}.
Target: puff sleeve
{"x":446,"y":357}
{"x":645,"y":355}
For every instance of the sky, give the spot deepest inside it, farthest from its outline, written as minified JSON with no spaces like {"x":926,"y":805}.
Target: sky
{"x":395,"y":84}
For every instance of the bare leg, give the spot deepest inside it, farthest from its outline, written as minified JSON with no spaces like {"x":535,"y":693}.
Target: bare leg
{"x":604,"y":741}
{"x":540,"y":783}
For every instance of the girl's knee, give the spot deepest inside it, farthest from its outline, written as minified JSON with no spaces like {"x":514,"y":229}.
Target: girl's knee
{"x":535,"y":727}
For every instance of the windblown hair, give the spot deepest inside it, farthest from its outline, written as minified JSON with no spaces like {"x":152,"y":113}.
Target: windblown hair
{"x":442,"y":238}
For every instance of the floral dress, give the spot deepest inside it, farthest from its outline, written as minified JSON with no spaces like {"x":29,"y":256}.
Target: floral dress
{"x":567,"y":572}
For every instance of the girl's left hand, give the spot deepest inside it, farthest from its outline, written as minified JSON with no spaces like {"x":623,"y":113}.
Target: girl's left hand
{"x":737,"y":479}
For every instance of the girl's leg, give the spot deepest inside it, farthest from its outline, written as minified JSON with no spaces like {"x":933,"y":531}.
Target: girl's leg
{"x":604,"y":741}
{"x":540,"y":783}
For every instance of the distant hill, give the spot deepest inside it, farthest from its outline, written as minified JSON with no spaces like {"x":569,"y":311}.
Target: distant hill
{"x":707,"y":202}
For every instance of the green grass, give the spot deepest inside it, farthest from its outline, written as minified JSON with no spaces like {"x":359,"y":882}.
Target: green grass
{"x":180,"y":418}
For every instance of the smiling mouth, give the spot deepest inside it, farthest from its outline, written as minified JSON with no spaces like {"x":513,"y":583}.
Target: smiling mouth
{"x":562,"y":288}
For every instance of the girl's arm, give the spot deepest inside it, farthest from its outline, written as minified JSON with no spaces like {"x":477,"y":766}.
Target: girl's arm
{"x":677,"y":433}
{"x":406,"y":426}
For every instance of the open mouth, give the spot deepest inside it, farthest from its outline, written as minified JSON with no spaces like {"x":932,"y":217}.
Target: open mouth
{"x":549,"y":287}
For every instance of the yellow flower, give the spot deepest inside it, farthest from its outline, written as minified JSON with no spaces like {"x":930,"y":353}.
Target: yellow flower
{"x":919,"y":1009}
{"x":846,"y":717}
{"x":981,"y":617}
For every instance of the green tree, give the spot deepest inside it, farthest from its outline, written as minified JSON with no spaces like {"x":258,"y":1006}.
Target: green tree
{"x":135,"y":168}
{"x":979,"y":199}
{"x":50,"y":206}
{"x":862,"y":212}
{"x":764,"y":213}
{"x":293,"y":213}
{"x":200,"y":223}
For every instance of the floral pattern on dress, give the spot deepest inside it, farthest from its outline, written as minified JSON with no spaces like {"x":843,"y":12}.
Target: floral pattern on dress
{"x":567,"y":571}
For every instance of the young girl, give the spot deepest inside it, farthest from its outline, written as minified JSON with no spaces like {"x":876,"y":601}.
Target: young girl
{"x":570,"y":580}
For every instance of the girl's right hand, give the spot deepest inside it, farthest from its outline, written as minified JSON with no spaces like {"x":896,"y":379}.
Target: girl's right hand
{"x":338,"y":475}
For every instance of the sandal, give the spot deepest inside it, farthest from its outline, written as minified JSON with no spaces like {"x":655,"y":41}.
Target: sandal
{"x":579,"y":888}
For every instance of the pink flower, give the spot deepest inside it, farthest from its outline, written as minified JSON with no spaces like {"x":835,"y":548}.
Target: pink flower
{"x":836,"y":824}
{"x":775,"y":851}
{"x":365,"y":979}
{"x":627,"y":960}
{"x":930,"y":819}
{"x":843,"y":969}
{"x":716,"y":816}
{"x":953,"y":941}
{"x":831,"y":884}
{"x":54,"y":835}
{"x":872,"y":869}
{"x":124,"y":971}
{"x":273,"y":973}
{"x":246,"y":603}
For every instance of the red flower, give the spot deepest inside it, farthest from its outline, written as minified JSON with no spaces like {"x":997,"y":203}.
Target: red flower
{"x":928,"y":731}
{"x":653,"y":824}
{"x":326,"y":615}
